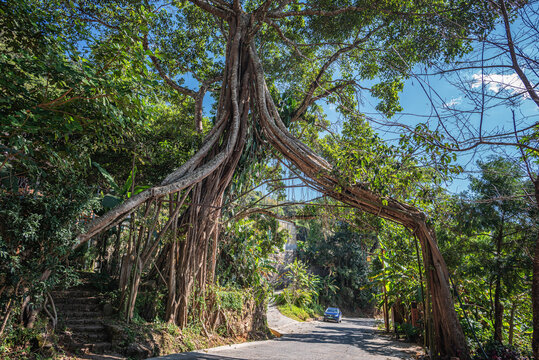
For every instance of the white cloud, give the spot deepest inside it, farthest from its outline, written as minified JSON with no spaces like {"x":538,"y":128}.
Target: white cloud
{"x":453,"y":102}
{"x":499,"y":82}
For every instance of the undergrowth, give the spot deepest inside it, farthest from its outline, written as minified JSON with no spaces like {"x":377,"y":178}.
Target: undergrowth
{"x":296,"y":313}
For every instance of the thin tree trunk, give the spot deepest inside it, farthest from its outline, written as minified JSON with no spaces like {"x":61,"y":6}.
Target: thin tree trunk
{"x":498,"y":312}
{"x":386,"y":306}
{"x":137,"y":274}
{"x":512,"y":322}
{"x":420,"y":269}
{"x":104,"y":253}
{"x":531,"y":90}
{"x":535,"y":286}
{"x":498,"y":306}
{"x":7,"y":313}
{"x":127,"y":263}
{"x":386,"y":309}
{"x":114,"y":264}
{"x":170,"y":313}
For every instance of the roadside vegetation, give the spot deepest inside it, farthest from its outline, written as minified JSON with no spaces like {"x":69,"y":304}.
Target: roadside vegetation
{"x":299,"y":300}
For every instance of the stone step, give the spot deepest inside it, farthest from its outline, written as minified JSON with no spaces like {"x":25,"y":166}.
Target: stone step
{"x":101,"y":347}
{"x":98,"y":347}
{"x":81,"y":320}
{"x":86,"y":328}
{"x":73,"y":293}
{"x":80,"y":314}
{"x":77,"y":314}
{"x":92,"y":337}
{"x":75,"y":307}
{"x":79,"y":346}
{"x":78,"y":300}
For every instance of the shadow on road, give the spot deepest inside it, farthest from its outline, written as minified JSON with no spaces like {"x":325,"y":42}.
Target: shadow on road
{"x":356,"y":334}
{"x":367,"y":338}
{"x":191,"y":355}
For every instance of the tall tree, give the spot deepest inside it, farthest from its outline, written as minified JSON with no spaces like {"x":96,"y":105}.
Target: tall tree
{"x":499,"y":180}
{"x":497,"y":209}
{"x":259,"y":51}
{"x":488,"y":240}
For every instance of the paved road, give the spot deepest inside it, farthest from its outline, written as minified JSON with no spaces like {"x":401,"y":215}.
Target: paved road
{"x":354,"y":338}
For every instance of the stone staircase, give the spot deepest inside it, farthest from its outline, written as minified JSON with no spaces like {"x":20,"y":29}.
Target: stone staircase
{"x":80,"y":317}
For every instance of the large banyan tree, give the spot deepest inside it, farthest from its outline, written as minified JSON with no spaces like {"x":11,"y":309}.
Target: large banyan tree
{"x":263,"y":66}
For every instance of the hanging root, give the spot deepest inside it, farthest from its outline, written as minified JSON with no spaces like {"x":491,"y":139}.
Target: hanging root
{"x":52,"y":314}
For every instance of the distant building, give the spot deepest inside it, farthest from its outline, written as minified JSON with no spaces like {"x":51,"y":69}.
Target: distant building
{"x":285,"y":256}
{"x":291,"y":242}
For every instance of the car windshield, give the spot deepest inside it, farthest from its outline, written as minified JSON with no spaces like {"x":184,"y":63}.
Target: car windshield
{"x":332,"y":310}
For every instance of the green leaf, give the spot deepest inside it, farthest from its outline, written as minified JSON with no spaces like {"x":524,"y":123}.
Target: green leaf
{"x":128,"y":182}
{"x":107,"y":176}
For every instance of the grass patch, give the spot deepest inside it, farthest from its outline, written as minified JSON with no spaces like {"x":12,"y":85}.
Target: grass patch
{"x":294,"y":312}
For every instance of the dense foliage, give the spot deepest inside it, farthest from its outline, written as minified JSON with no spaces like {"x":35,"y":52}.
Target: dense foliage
{"x":339,"y":255}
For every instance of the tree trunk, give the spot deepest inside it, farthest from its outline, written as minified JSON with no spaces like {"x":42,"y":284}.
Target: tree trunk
{"x":133,"y":289}
{"x":535,"y":286}
{"x":5,"y":320}
{"x":498,"y":307}
{"x":449,"y":337}
{"x":147,"y":242}
{"x":103,"y":264}
{"x":170,"y":312}
{"x":386,"y":306}
{"x":202,"y":217}
{"x":498,"y":312}
{"x":114,"y":268}
{"x":512,"y":322}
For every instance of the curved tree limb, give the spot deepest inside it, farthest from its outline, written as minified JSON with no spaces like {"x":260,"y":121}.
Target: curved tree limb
{"x":450,"y":337}
{"x":250,"y":212}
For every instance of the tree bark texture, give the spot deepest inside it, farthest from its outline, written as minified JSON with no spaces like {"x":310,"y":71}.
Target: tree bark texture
{"x":202,"y":216}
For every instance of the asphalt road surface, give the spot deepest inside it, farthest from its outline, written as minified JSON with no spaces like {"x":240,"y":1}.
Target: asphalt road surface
{"x":353,"y":338}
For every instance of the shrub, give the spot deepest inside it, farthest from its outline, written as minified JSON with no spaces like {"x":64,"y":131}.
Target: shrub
{"x":497,"y":351}
{"x":294,"y":312}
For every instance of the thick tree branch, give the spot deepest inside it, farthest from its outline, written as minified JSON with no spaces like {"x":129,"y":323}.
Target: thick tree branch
{"x":187,"y":175}
{"x":250,"y":212}
{"x":223,"y":12}
{"x":182,"y":90}
{"x":450,"y":337}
